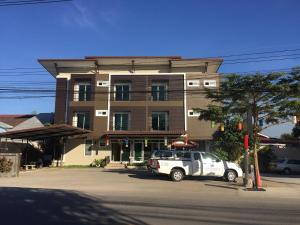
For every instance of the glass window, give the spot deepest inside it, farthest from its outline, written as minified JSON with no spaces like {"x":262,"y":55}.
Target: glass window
{"x":82,"y":120}
{"x":196,"y":156}
{"x":121,"y":121}
{"x":159,"y":91}
{"x":88,"y":147}
{"x":160,"y":121}
{"x":122,"y":92}
{"x":209,"y":157}
{"x":102,"y":142}
{"x":163,"y":154}
{"x":82,"y":92}
{"x":183,"y":155}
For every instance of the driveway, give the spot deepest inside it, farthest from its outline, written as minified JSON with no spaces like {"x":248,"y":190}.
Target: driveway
{"x":100,"y":196}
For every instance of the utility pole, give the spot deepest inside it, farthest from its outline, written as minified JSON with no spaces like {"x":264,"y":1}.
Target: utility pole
{"x":249,"y":130}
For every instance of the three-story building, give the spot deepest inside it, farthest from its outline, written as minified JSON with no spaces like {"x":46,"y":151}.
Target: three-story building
{"x":133,"y":105}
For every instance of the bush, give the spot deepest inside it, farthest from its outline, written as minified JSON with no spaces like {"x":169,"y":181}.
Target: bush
{"x":96,"y":163}
{"x":5,"y":165}
{"x":99,"y":163}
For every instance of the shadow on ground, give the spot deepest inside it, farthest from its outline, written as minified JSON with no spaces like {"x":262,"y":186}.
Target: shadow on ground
{"x":146,"y":175}
{"x":47,"y":207}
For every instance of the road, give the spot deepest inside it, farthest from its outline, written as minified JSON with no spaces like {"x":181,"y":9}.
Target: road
{"x":289,"y":179}
{"x":99,"y":196}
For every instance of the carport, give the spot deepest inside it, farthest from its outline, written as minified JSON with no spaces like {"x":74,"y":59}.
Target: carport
{"x":60,"y":132}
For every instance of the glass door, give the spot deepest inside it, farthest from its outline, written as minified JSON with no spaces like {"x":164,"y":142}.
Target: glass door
{"x":138,"y":151}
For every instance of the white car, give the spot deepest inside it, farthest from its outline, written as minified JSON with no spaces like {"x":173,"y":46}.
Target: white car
{"x":286,"y":166}
{"x":196,"y":163}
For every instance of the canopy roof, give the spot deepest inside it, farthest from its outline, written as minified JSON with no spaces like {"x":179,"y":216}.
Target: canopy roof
{"x":56,"y":66}
{"x":41,"y":133}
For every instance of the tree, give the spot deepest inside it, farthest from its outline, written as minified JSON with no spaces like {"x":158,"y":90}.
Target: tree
{"x":291,"y":106}
{"x":256,"y":94}
{"x":296,"y":131}
{"x":228,"y":145}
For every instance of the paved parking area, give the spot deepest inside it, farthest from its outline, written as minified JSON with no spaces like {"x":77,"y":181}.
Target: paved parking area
{"x":101,"y":196}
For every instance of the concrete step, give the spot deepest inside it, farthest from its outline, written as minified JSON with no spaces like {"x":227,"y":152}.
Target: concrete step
{"x":114,"y":165}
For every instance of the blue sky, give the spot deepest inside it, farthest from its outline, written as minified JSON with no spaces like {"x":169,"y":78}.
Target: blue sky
{"x":190,"y":28}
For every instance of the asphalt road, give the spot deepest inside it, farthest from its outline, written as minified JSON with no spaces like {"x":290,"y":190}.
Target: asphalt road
{"x":289,"y":179}
{"x":97,"y":196}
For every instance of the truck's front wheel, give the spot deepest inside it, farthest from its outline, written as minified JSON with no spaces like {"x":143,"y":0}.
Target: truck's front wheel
{"x":177,"y":175}
{"x":230,"y":176}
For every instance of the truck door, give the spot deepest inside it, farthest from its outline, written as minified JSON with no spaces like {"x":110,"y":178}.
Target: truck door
{"x":212,"y":166}
{"x":196,"y":164}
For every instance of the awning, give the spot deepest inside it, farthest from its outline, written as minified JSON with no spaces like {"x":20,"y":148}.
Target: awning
{"x":143,"y":134}
{"x":40,"y":133}
{"x":188,"y":144}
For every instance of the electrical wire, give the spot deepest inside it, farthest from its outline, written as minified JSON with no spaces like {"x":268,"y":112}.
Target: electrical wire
{"x":31,"y":2}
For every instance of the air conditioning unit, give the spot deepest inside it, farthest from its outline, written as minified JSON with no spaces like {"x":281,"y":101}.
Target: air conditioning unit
{"x":101,"y":112}
{"x":102,"y":83}
{"x":193,"y":83}
{"x":209,"y":83}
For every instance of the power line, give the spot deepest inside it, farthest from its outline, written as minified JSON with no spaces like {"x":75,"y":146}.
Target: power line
{"x":158,"y":60}
{"x":31,"y":2}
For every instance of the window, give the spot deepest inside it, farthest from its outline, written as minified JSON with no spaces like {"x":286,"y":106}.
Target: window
{"x":160,"y":121}
{"x":196,"y":156}
{"x":192,"y":113}
{"x":81,"y":120}
{"x":159,"y":91}
{"x":163,"y":154}
{"x":297,"y":162}
{"x":122,"y":92}
{"x":88,"y":147}
{"x":193,"y":83}
{"x":183,"y":155}
{"x":82,"y":92}
{"x":102,"y":143}
{"x":209,"y":83}
{"x":121,"y":121}
{"x":208,"y":157}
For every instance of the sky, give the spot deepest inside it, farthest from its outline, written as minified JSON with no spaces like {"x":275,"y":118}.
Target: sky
{"x":189,"y":28}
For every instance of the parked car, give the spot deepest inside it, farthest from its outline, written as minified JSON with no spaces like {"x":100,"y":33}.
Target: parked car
{"x":195,"y":163}
{"x":285,"y":166}
{"x":159,"y":154}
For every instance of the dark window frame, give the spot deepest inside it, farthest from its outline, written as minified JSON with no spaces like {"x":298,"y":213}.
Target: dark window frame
{"x":124,"y":95}
{"x":88,"y":147}
{"x":86,"y":123}
{"x":159,"y":95}
{"x":159,"y":126}
{"x":84,"y":92}
{"x":121,"y":126}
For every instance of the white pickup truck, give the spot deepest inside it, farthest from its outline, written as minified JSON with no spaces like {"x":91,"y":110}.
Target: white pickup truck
{"x":195,"y":163}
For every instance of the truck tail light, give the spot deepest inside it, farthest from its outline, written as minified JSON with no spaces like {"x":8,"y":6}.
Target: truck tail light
{"x":157,"y":164}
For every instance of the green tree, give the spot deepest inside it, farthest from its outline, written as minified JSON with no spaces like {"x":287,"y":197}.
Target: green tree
{"x":228,"y":145}
{"x":296,"y":131}
{"x":256,"y":94}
